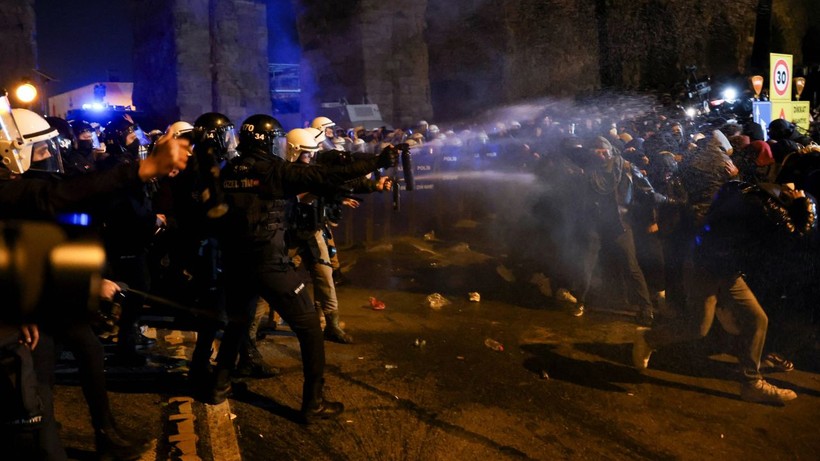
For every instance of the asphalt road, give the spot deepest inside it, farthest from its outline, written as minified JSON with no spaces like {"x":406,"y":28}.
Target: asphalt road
{"x":562,"y":388}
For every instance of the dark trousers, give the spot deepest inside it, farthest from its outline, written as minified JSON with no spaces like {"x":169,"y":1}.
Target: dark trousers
{"x":286,"y":294}
{"x":622,"y":247}
{"x":44,"y":356}
{"x":80,"y":339}
{"x":133,"y":271}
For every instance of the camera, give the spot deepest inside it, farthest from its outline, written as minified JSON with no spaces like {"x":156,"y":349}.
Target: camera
{"x":43,"y":272}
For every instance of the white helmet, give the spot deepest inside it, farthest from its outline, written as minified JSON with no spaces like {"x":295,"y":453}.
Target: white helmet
{"x":320,"y":123}
{"x":36,"y":147}
{"x":318,"y":135}
{"x":433,"y":129}
{"x":300,"y":140}
{"x":181,"y":129}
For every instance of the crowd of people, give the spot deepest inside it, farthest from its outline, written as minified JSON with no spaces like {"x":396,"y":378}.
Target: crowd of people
{"x":686,"y":211}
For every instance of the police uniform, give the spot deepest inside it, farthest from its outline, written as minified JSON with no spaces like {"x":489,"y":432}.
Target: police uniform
{"x":260,"y":190}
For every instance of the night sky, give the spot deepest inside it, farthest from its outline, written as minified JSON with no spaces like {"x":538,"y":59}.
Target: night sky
{"x":86,"y":41}
{"x":80,"y":42}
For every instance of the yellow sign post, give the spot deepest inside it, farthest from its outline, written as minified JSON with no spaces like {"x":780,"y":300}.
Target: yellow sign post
{"x":800,"y":114}
{"x":780,"y":77}
{"x":782,"y":109}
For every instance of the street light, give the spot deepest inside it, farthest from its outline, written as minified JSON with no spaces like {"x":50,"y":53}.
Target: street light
{"x":799,"y":84}
{"x":26,"y":93}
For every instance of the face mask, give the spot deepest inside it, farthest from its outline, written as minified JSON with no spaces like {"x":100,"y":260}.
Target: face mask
{"x":41,"y":165}
{"x":85,"y":145}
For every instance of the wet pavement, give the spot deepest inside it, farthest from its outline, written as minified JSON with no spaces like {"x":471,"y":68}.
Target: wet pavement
{"x":420,"y":383}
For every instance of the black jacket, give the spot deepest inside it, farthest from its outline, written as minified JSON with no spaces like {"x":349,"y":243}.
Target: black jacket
{"x":258,"y":184}
{"x":748,"y":227}
{"x":27,"y":198}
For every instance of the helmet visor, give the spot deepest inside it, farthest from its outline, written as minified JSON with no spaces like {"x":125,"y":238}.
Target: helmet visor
{"x":45,"y":156}
{"x":228,"y":134}
{"x":279,"y":146}
{"x":90,"y":137}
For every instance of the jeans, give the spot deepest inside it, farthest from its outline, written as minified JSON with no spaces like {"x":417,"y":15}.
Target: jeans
{"x":706,"y":293}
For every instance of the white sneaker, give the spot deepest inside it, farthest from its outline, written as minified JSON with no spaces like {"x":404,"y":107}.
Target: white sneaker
{"x":641,"y":350}
{"x":761,"y":391}
{"x":564,"y":295}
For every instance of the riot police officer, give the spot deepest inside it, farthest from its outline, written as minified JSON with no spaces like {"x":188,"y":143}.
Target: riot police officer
{"x":260,"y":187}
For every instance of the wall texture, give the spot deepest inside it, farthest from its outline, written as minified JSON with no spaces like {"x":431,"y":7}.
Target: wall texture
{"x":452,"y":58}
{"x":427,"y":58}
{"x":18,"y":49}
{"x":197,"y":56}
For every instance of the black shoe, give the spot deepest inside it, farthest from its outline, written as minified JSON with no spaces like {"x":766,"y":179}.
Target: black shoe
{"x":220,"y":389}
{"x":263,"y":332}
{"x":337,"y":335}
{"x":325,"y":410}
{"x":128,"y":359}
{"x":255,"y":370}
{"x":113,"y":446}
{"x":333,"y":329}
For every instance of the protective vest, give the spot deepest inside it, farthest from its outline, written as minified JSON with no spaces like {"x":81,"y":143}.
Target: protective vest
{"x":259,"y":209}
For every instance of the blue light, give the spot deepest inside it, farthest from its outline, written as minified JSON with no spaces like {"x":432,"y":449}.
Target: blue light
{"x":75,"y":219}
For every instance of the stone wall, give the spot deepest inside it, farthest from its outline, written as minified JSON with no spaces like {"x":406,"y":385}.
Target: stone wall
{"x":197,"y":56}
{"x":365,"y":51}
{"x":413,"y":56}
{"x":18,"y":53}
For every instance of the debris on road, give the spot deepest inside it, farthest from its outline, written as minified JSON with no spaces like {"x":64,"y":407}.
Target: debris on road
{"x":436,"y":301}
{"x":376,"y":304}
{"x":494,"y":345}
{"x":474,"y":296}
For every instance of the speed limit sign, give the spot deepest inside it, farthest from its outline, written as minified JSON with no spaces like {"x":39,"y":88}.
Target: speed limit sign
{"x":780,"y":79}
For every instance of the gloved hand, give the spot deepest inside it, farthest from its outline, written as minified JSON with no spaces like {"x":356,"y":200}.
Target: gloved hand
{"x":388,"y":158}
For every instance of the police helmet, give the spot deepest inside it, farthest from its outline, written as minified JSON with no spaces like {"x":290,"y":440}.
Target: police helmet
{"x":181,"y":129}
{"x":320,"y":123}
{"x":79,"y":128}
{"x":300,"y":140}
{"x":37,"y":149}
{"x":66,"y":139}
{"x":118,"y":130}
{"x":218,"y":128}
{"x":318,"y":135}
{"x":261,"y":132}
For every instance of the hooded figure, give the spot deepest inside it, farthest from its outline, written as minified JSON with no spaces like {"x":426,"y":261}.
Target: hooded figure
{"x":706,"y":172}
